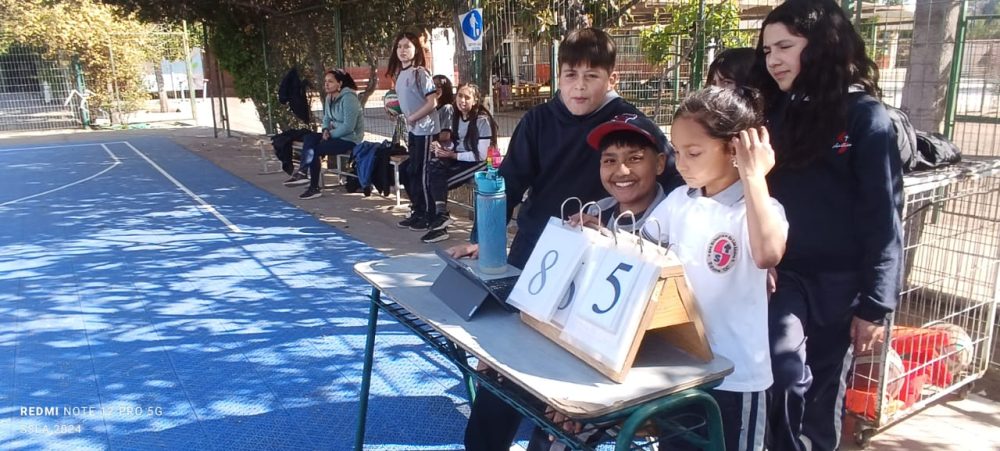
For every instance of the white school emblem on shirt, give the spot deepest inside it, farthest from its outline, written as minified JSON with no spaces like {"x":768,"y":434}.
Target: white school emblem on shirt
{"x":722,"y":253}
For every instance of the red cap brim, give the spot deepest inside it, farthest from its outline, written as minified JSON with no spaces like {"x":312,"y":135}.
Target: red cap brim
{"x":597,"y":134}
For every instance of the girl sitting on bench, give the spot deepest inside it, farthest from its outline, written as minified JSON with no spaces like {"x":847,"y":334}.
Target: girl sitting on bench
{"x":453,"y":163}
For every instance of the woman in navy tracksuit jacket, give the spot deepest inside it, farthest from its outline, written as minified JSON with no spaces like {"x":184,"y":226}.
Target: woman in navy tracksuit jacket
{"x":838,"y":176}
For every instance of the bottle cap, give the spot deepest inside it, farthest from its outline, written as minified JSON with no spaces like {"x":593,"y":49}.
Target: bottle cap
{"x":489,"y":182}
{"x":493,"y":157}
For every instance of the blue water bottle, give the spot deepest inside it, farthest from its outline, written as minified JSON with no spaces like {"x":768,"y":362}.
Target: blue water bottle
{"x":491,"y":216}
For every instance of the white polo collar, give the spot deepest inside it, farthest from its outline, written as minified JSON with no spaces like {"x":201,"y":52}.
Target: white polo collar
{"x":729,"y":196}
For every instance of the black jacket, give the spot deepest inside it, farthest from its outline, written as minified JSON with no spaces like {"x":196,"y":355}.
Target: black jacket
{"x":549,"y":155}
{"x":292,"y":92}
{"x":843,"y":209}
{"x":283,"y":141}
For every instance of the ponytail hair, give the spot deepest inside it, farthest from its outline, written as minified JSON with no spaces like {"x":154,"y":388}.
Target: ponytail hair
{"x":345,"y":79}
{"x":724,"y":113}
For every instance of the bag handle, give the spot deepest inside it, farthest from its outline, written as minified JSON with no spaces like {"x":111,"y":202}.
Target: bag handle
{"x":562,"y":209}
{"x":617,"y":225}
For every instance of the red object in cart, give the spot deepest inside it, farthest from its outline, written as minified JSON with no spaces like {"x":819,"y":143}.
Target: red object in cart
{"x":922,"y":348}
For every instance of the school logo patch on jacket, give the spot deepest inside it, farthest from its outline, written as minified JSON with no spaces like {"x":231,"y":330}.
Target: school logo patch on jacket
{"x":843,"y":143}
{"x":721,"y":253}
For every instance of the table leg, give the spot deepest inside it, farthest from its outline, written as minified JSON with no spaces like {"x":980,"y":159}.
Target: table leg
{"x":366,"y":373}
{"x":635,"y":421}
{"x":460,"y":355}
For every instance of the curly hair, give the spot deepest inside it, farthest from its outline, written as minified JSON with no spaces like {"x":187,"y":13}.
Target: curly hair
{"x":833,"y":60}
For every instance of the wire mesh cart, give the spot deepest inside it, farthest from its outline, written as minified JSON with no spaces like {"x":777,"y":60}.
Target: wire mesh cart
{"x":940,"y":337}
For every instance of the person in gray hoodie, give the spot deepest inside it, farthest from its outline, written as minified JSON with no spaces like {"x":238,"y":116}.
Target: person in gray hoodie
{"x":343,"y":126}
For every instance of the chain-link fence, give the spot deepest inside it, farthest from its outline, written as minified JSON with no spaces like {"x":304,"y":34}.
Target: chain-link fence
{"x":35,"y":93}
{"x":154,"y":76}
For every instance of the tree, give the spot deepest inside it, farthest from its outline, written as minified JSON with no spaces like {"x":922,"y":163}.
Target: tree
{"x":925,"y":90}
{"x":659,"y":43}
{"x":94,"y":32}
{"x":293,"y":33}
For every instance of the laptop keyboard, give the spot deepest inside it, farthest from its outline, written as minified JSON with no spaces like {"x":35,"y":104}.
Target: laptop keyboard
{"x":501,"y":288}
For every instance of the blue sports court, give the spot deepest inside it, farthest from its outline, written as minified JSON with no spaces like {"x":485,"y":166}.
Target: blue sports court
{"x":151,"y":300}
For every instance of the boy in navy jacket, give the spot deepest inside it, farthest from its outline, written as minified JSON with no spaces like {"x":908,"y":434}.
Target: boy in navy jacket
{"x":550,"y":160}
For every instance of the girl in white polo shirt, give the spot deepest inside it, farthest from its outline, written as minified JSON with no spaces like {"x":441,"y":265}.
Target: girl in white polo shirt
{"x":727,"y":231}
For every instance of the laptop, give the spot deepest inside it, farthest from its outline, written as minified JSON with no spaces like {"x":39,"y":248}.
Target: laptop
{"x":464,"y":288}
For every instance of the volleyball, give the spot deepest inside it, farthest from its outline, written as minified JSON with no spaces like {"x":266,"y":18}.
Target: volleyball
{"x":391,"y":101}
{"x":957,"y":352}
{"x":867,"y":372}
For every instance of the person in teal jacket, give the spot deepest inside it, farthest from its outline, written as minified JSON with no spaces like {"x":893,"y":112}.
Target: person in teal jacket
{"x":343,"y":126}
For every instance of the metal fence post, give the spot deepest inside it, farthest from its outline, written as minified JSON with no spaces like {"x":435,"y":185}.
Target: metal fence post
{"x":339,"y":36}
{"x":951,"y":99}
{"x":698,"y":61}
{"x":81,"y":87}
{"x":190,"y":71}
{"x":267,"y":76}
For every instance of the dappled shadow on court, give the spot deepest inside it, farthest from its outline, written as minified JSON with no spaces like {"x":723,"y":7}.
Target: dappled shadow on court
{"x":157,"y":325}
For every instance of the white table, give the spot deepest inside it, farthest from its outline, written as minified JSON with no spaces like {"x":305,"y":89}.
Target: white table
{"x":662,"y":378}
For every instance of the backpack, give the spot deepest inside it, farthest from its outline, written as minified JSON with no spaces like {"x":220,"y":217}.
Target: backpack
{"x":906,"y":138}
{"x":936,"y":150}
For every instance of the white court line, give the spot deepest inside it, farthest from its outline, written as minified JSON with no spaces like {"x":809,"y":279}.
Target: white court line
{"x":113,"y":165}
{"x":204,"y":205}
{"x":12,"y":149}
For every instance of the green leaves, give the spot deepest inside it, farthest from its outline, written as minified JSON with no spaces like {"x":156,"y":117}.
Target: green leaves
{"x":676,"y":36}
{"x":112,"y":46}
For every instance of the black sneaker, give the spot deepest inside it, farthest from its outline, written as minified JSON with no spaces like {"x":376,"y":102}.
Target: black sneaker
{"x":440,"y":221}
{"x":311,"y":193}
{"x":420,"y":223}
{"x":297,"y":179}
{"x":435,"y":235}
{"x":406,"y":223}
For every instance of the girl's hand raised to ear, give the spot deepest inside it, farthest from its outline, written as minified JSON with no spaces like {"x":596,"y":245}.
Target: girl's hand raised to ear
{"x":754,"y":155}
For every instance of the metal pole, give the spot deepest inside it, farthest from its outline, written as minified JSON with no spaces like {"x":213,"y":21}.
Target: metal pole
{"x":951,"y":101}
{"x":81,"y":87}
{"x":190,"y":72}
{"x":204,"y":46}
{"x":223,"y":107}
{"x":225,"y":104}
{"x":366,"y":371}
{"x":477,"y":55}
{"x":114,"y":83}
{"x":339,"y":36}
{"x":267,"y":77}
{"x":699,"y":51}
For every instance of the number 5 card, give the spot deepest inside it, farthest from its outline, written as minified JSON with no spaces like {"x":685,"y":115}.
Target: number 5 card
{"x":605,"y":316}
